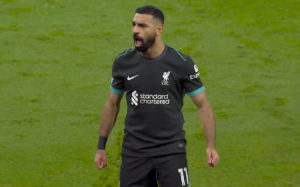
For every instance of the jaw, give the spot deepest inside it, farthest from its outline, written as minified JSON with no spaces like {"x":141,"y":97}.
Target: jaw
{"x":143,"y":45}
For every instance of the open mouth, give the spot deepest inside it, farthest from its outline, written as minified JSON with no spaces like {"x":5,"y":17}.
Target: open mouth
{"x":138,"y":41}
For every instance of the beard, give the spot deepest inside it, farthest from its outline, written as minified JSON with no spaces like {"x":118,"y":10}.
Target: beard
{"x":142,"y":45}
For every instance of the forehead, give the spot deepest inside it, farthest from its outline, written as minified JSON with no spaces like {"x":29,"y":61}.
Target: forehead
{"x":143,"y":18}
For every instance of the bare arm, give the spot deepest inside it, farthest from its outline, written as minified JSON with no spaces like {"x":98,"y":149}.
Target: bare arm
{"x":110,"y":113}
{"x":108,"y":119}
{"x":207,"y":117}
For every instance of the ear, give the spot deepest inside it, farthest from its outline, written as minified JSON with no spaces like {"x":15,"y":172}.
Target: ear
{"x":159,"y":29}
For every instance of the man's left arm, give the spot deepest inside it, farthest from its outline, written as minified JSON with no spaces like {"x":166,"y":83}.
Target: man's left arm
{"x":207,"y":118}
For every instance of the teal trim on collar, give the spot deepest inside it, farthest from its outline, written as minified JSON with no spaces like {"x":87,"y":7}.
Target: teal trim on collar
{"x":196,"y":92}
{"x":116,"y":91}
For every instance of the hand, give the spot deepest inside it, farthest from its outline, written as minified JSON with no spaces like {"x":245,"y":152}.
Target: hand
{"x":100,"y":159}
{"x":212,"y":157}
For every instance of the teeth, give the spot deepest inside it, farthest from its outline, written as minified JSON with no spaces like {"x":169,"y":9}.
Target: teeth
{"x":138,"y":43}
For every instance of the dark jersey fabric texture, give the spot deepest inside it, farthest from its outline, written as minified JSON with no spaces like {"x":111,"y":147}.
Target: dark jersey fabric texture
{"x":154,"y":88}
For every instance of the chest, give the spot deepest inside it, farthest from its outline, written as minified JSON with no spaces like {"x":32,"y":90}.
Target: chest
{"x":149,"y":77}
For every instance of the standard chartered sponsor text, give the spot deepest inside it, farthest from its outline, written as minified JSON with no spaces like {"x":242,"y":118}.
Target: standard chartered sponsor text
{"x":154,"y":99}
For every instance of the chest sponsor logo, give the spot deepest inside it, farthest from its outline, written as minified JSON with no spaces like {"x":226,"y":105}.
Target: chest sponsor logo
{"x":132,"y":77}
{"x":165,"y":76}
{"x":196,"y":68}
{"x":149,"y":99}
{"x":195,"y":76}
{"x":134,"y":98}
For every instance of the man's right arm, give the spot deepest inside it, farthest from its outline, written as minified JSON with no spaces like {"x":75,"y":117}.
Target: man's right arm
{"x":107,"y":122}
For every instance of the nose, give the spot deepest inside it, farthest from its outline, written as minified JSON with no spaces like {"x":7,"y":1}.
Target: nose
{"x":135,"y":29}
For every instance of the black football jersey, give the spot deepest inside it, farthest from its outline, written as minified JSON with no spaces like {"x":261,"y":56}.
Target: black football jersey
{"x":154,"y":88}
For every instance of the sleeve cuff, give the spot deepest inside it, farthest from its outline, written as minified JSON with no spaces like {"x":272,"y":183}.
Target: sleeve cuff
{"x":196,"y":92}
{"x":116,"y":91}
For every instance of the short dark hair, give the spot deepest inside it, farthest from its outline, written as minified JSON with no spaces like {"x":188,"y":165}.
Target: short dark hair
{"x":152,"y":10}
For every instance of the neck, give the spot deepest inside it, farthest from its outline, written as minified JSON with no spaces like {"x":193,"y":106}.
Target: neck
{"x":155,"y":50}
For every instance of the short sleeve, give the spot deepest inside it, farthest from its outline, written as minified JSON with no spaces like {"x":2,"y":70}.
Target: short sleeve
{"x":191,"y":78}
{"x":117,"y":82}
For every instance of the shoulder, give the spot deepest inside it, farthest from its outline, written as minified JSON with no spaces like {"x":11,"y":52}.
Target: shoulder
{"x":181,"y":60}
{"x":125,"y":54}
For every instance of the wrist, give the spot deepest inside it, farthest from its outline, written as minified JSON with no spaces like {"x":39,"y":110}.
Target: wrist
{"x":211,"y":148}
{"x":101,"y":143}
{"x":211,"y":145}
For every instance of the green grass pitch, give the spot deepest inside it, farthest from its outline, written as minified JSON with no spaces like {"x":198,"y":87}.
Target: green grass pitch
{"x":55,"y":71}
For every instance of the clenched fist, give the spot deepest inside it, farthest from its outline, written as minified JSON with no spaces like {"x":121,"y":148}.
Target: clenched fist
{"x":100,"y":159}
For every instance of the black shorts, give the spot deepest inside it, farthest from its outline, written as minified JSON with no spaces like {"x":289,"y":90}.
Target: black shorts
{"x":167,"y":171}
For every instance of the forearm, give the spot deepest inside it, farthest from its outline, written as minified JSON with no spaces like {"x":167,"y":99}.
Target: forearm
{"x":209,"y":125}
{"x":108,"y":118}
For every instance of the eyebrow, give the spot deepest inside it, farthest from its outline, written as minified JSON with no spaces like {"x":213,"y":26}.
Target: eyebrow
{"x":139,"y":24}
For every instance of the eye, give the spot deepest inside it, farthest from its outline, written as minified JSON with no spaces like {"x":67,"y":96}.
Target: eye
{"x":142,"y":25}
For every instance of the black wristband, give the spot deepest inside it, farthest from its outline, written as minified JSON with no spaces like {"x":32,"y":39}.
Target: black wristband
{"x":101,"y":142}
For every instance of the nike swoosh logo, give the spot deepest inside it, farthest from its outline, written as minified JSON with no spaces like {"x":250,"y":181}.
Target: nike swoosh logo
{"x":130,"y":78}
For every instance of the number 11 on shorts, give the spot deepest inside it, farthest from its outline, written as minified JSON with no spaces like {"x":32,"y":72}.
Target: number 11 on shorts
{"x":182,"y":172}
